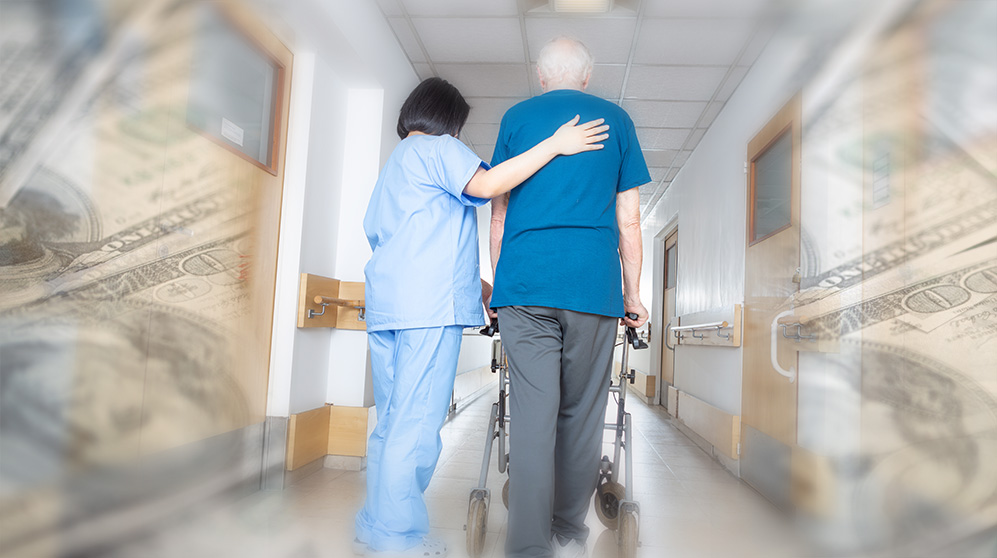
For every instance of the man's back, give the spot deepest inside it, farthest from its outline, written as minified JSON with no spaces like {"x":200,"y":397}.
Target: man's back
{"x":559,"y":246}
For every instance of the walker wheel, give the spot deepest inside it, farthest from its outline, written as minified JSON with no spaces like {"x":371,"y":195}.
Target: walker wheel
{"x":607,"y":503}
{"x":505,"y":494}
{"x":477,"y":520}
{"x":628,"y":534}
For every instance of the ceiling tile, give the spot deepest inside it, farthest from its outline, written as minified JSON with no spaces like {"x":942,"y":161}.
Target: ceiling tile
{"x":471,"y":40}
{"x":662,"y":138}
{"x":727,"y":89}
{"x":691,"y":41}
{"x":606,"y":81}
{"x":674,"y":83}
{"x":461,"y":8}
{"x":423,"y":71}
{"x":664,"y":114}
{"x":647,"y":190}
{"x":705,"y":8}
{"x":480,"y":134}
{"x":607,"y":38}
{"x":659,"y":158}
{"x":489,"y":110}
{"x":487,"y":80}
{"x":657,"y":173}
{"x":672,"y":173}
{"x":407,"y":39}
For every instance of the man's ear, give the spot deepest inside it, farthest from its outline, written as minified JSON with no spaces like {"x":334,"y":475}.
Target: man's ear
{"x":543,"y":83}
{"x":585,"y":83}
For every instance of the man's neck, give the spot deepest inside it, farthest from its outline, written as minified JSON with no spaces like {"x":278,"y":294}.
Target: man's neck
{"x":562,"y":87}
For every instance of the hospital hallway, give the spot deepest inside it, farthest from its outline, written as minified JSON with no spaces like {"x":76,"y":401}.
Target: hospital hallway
{"x":690,"y":506}
{"x":250,"y":252}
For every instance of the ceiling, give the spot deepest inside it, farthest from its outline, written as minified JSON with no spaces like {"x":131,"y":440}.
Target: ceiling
{"x":671,"y":64}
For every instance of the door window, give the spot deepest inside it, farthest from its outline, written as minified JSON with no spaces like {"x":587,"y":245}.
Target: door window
{"x":771,"y":188}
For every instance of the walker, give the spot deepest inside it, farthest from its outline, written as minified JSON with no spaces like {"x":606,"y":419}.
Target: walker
{"x":614,"y":502}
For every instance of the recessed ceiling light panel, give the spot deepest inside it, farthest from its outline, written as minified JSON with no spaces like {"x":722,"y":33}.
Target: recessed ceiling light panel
{"x":581,"y":6}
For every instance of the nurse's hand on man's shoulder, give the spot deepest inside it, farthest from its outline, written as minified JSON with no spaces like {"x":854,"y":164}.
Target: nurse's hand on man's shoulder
{"x":573,"y":137}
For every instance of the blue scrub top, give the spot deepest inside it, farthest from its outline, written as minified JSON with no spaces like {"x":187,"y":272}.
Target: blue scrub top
{"x":560,"y":248}
{"x":424,"y":233}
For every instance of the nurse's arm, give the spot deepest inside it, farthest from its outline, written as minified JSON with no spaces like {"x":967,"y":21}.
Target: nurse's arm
{"x":569,"y":139}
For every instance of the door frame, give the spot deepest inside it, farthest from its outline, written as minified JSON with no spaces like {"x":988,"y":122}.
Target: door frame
{"x":657,"y":301}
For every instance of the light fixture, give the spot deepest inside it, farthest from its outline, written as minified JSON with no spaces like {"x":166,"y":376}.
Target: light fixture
{"x":581,"y":6}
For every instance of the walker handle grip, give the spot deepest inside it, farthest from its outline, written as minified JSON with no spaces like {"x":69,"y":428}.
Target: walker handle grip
{"x":631,"y":334}
{"x":491,"y":329}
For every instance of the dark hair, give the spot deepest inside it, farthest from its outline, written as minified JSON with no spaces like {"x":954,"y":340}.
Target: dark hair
{"x":434,"y":107}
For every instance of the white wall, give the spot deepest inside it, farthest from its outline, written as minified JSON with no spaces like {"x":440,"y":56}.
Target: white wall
{"x":707,"y":201}
{"x":319,"y":228}
{"x":349,"y":80}
{"x":336,"y":144}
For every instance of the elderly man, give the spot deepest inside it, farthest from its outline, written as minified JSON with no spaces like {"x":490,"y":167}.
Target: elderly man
{"x":561,"y":236}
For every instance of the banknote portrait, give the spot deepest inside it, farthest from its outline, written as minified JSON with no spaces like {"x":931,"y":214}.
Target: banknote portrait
{"x":136,"y":266}
{"x":899,"y":291}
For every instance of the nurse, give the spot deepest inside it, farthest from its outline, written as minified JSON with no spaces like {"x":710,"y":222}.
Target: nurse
{"x":423,"y":287}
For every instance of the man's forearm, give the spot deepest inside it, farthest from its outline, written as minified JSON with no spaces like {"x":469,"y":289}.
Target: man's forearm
{"x":631,"y":246}
{"x":497,"y":229}
{"x":631,"y":255}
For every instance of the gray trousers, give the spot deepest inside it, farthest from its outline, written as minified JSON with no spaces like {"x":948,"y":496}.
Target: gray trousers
{"x":559,"y":369}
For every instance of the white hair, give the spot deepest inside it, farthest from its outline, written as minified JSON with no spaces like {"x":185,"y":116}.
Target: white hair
{"x":565,"y":61}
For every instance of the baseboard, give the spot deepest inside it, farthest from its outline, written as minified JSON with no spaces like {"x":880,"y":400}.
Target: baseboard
{"x":274,"y":452}
{"x":721,"y":429}
{"x":345,"y":462}
{"x":330,"y":430}
{"x":644,"y":385}
{"x":673,"y":402}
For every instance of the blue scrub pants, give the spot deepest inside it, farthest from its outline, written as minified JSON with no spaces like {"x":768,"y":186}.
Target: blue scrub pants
{"x":413,"y":374}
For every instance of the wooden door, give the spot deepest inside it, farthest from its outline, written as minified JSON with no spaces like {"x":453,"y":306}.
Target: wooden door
{"x":217,"y":125}
{"x":769,"y":397}
{"x":668,"y":316}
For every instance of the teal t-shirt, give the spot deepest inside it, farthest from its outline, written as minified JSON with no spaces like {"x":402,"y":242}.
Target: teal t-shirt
{"x":560,"y":248}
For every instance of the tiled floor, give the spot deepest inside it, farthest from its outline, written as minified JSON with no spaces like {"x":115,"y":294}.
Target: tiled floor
{"x":690,"y":506}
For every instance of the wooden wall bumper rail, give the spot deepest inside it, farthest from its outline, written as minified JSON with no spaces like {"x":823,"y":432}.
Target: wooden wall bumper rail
{"x":325,"y":302}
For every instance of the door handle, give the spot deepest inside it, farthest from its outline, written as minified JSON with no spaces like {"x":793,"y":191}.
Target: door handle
{"x":791,"y":373}
{"x":668,"y":331}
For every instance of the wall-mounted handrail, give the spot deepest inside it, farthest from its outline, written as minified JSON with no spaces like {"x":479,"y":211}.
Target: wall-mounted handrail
{"x":325,"y":301}
{"x":710,"y":328}
{"x":710,"y":325}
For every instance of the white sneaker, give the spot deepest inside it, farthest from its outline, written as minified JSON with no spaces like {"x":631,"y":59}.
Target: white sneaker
{"x":429,"y":548}
{"x":570,"y":549}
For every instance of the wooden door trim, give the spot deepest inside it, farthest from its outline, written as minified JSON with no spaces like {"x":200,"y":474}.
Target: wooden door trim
{"x":786,"y":120}
{"x":657,"y":305}
{"x":263,"y":40}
